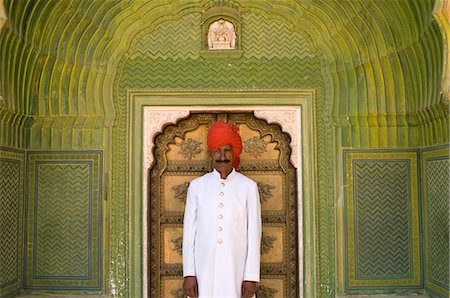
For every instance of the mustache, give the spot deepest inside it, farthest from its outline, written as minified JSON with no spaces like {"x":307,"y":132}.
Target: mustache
{"x":223,"y":161}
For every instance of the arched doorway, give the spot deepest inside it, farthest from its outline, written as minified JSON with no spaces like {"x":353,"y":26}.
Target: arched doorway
{"x":180,"y":155}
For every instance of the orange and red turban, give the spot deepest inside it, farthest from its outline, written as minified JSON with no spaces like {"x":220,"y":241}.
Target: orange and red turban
{"x":221,"y":134}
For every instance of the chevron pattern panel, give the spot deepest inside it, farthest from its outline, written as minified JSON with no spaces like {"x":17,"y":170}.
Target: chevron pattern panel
{"x":11,"y":210}
{"x":436,"y":194}
{"x":261,"y":38}
{"x":64,"y":231}
{"x":182,"y":39}
{"x":275,"y":56}
{"x":382,"y":220}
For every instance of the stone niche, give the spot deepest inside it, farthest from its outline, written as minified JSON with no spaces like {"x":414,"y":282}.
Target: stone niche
{"x":221,"y":32}
{"x":221,"y":36}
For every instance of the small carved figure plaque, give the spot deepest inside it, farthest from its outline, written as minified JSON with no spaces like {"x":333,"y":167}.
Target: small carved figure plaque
{"x":221,"y":36}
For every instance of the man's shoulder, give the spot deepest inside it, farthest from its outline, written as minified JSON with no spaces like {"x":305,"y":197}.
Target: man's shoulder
{"x":245,"y":179}
{"x":201,"y":178}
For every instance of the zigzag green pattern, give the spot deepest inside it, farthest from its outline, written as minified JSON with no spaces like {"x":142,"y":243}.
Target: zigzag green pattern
{"x":261,"y":38}
{"x":181,"y":39}
{"x":9,"y":225}
{"x":438,"y":212}
{"x":274,"y":57}
{"x":146,"y":72}
{"x":63,"y":207}
{"x":264,"y":38}
{"x":382,"y":228}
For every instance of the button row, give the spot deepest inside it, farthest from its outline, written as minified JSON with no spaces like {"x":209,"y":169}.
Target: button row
{"x":221,"y":205}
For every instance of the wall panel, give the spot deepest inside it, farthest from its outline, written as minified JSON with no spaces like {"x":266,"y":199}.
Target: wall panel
{"x":64,"y":221}
{"x":382,"y":233}
{"x":436,"y":194}
{"x":11,"y":220}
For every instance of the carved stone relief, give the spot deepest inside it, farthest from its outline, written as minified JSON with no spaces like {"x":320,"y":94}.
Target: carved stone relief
{"x":290,"y":121}
{"x":221,"y":35}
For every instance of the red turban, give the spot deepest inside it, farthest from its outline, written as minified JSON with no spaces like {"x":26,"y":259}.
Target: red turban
{"x":221,"y":134}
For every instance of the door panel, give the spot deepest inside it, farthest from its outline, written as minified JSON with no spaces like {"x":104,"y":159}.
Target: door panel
{"x":181,"y":154}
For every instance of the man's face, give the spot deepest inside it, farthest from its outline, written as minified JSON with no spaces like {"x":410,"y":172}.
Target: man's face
{"x":222,"y":159}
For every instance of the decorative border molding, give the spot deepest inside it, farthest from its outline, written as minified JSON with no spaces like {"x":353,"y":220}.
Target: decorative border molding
{"x":215,"y":99}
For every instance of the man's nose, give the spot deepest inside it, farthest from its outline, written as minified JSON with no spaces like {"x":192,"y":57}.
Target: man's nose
{"x":222,"y":154}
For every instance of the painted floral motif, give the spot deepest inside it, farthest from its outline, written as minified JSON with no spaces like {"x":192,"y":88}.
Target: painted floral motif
{"x":190,"y":148}
{"x":178,"y":293}
{"x":178,"y":243}
{"x":180,"y":191}
{"x":265,"y":192}
{"x":267,"y":243}
{"x":265,"y":292}
{"x":255,"y":146}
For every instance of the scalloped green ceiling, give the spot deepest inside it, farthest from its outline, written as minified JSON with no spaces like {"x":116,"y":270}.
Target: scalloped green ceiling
{"x":384,"y":61}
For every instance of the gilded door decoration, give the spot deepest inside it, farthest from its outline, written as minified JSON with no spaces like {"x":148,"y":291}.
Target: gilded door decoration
{"x":180,"y":155}
{"x":265,"y":191}
{"x":190,"y":148}
{"x":255,"y":146}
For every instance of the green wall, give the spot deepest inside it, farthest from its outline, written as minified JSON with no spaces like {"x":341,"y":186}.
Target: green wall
{"x":377,"y":69}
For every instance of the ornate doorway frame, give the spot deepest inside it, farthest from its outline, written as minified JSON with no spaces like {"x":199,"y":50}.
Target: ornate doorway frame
{"x":151,"y":110}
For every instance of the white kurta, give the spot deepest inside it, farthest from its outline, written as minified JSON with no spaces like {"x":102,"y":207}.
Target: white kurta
{"x":222,"y":233}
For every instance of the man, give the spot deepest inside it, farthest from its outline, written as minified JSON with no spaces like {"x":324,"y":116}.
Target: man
{"x":222,"y":224}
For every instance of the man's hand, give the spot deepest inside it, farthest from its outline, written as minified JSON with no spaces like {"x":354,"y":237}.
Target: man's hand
{"x":190,"y":286}
{"x":248,"y":288}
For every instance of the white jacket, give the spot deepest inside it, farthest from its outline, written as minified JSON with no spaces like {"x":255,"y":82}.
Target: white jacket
{"x":222,"y":233}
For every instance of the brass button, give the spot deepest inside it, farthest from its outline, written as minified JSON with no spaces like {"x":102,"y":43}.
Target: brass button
{"x":219,"y":229}
{"x":219,"y":241}
{"x":220,"y":216}
{"x":221,"y":193}
{"x":222,"y":184}
{"x":221,"y":205}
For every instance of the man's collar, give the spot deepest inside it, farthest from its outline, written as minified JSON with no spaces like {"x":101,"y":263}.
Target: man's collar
{"x":229,"y":177}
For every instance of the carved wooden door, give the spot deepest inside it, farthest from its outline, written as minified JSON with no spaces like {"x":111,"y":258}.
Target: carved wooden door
{"x":181,"y":155}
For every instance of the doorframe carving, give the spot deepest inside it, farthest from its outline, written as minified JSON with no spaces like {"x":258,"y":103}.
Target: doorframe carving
{"x":294,"y":112}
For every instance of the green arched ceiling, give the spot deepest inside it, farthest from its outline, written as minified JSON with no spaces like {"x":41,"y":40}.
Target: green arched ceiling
{"x":384,"y":60}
